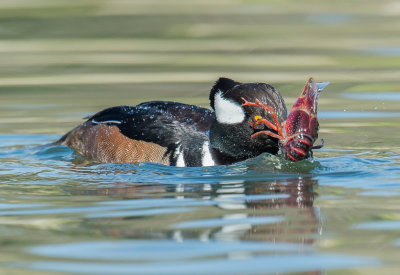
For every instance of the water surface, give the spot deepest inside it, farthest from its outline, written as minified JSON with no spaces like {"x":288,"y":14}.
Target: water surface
{"x":63,"y":214}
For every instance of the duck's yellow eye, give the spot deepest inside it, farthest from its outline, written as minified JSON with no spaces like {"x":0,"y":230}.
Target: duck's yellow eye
{"x":257,"y":118}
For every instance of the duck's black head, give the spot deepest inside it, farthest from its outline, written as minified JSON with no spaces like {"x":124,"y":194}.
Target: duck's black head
{"x":231,"y":131}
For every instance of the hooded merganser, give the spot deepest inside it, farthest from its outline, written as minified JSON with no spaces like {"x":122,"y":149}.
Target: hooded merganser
{"x":177,"y":134}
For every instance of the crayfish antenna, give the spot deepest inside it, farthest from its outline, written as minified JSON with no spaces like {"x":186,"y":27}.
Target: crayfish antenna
{"x":319,"y":146}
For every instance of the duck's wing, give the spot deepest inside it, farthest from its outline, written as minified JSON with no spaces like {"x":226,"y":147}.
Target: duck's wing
{"x":162,"y":122}
{"x":180,"y":130}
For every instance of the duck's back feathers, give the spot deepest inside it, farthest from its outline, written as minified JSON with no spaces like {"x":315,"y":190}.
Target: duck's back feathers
{"x":174,"y":133}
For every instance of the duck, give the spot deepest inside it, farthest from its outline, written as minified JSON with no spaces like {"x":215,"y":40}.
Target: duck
{"x":182,"y":135}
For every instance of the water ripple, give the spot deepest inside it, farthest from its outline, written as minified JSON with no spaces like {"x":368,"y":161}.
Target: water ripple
{"x":139,"y":213}
{"x":148,"y":250}
{"x":238,"y":265}
{"x":228,"y":221}
{"x":379,"y":225}
{"x":355,"y":114}
{"x":377,"y":96}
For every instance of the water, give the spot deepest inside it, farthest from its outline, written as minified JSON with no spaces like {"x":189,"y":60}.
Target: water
{"x":264,"y":215}
{"x":63,"y":214}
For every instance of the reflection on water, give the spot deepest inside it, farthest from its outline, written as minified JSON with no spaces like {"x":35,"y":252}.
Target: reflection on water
{"x":355,"y":114}
{"x":381,"y":225}
{"x":231,"y":227}
{"x":331,"y":18}
{"x":149,"y":250}
{"x":245,"y":265}
{"x":63,"y":214}
{"x":381,"y":96}
{"x":383,"y":50}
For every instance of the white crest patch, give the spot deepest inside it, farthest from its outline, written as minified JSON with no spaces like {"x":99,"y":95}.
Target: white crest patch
{"x":227,"y":111}
{"x":206,"y":158}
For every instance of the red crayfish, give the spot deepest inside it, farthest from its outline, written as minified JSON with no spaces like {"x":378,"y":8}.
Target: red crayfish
{"x":300,"y":130}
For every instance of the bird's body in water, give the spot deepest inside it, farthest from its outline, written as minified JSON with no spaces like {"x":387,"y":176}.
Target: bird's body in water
{"x":178,"y":134}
